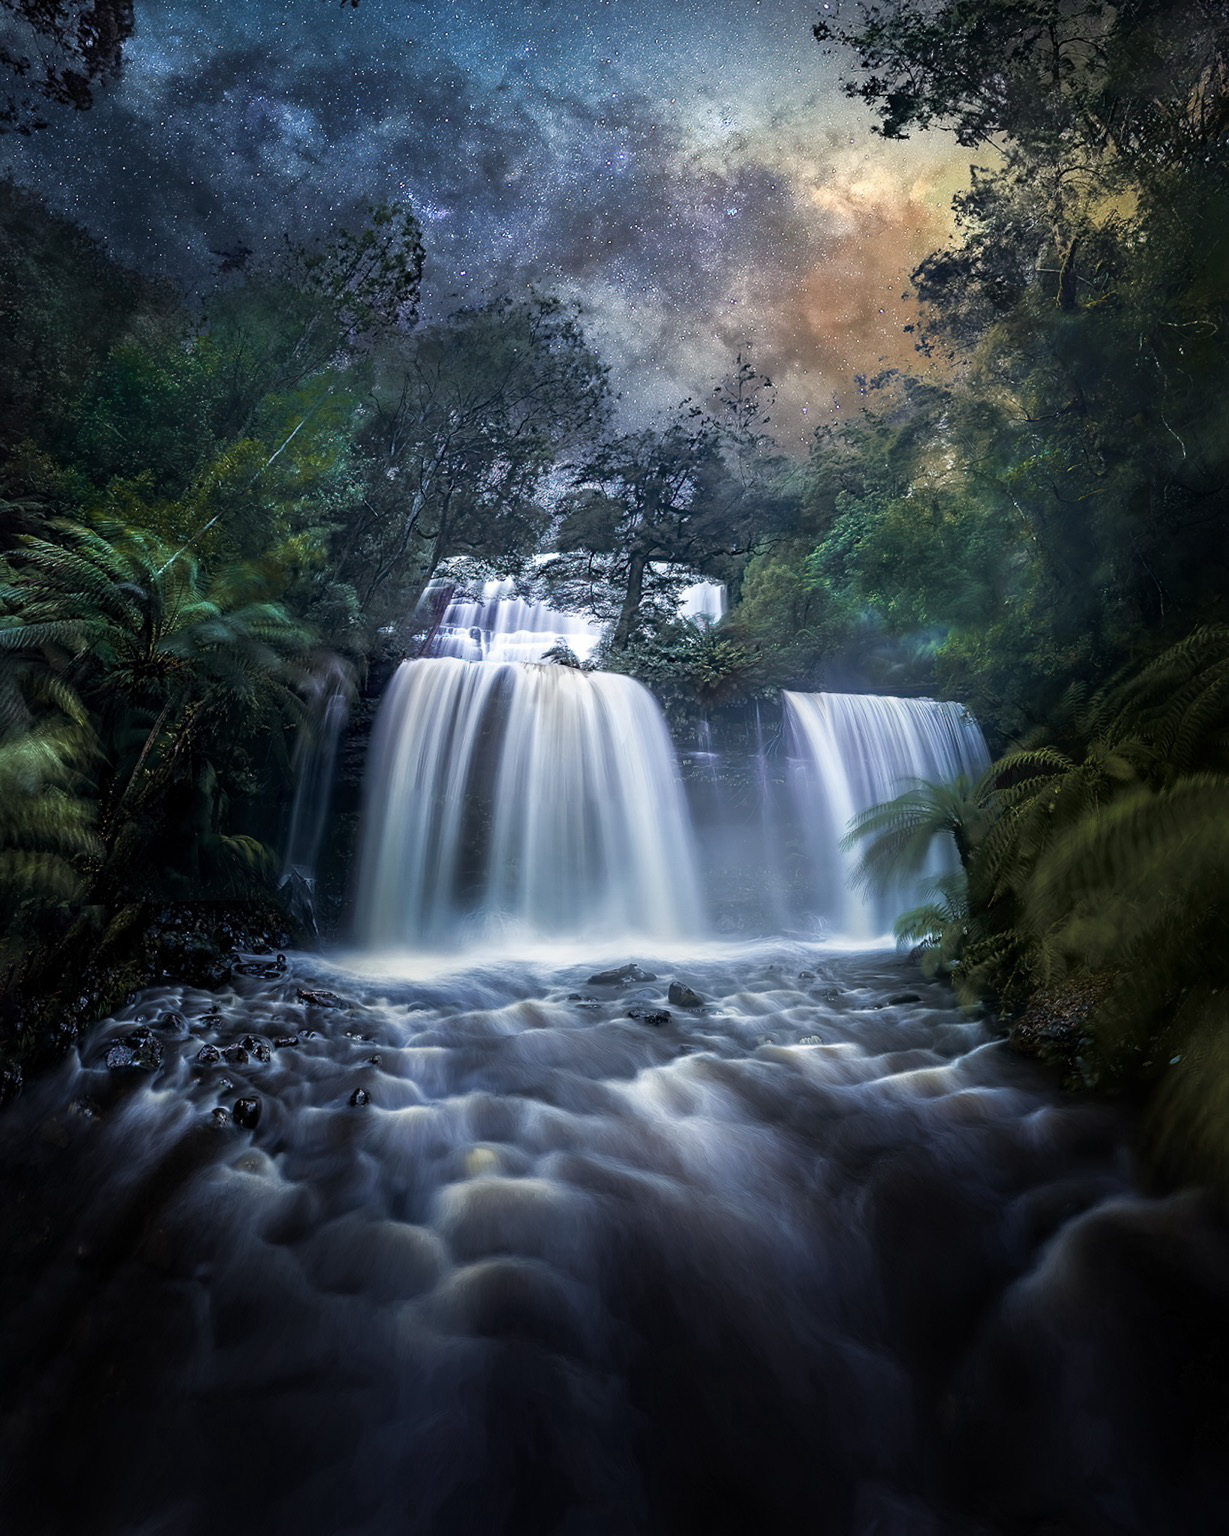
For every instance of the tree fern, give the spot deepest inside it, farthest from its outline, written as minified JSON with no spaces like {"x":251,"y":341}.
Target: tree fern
{"x":896,"y":837}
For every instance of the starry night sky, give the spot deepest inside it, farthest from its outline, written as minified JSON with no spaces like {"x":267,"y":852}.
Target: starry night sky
{"x":689,"y":172}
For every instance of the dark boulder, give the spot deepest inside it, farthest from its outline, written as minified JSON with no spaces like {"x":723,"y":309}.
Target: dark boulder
{"x":322,"y":999}
{"x":622,"y":977}
{"x":359,"y":1097}
{"x":267,"y":970}
{"x":208,"y":1056}
{"x":140,"y":1051}
{"x":247,"y":1113}
{"x":655,"y":1016}
{"x":683,"y":997}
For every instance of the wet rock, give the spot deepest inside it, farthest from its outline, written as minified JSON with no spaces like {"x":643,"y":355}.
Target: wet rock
{"x":85,"y":1109}
{"x":267,"y":970}
{"x":654,"y":1016}
{"x":140,"y":1051}
{"x":900,"y":1000}
{"x":322,"y":999}
{"x":359,"y":1097}
{"x":256,"y":1047}
{"x":806,"y":975}
{"x":579,"y":997}
{"x":283,"y":1041}
{"x":173,"y":1022}
{"x":220,"y":1116}
{"x":208,"y":1056}
{"x":225,"y":1085}
{"x":622,"y":977}
{"x":375,"y":1060}
{"x":236,"y":1055}
{"x":247,"y":1113}
{"x":683,"y":997}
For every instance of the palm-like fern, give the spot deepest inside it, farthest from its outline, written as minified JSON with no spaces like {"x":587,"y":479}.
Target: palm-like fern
{"x":172,"y":671}
{"x":896,"y":837}
{"x":1101,"y":866}
{"x":48,"y":842}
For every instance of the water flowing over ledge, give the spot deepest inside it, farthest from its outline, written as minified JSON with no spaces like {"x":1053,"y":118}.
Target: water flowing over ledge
{"x":854,"y":751}
{"x":539,"y":799}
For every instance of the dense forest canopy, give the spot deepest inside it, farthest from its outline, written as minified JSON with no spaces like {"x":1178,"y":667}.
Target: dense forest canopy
{"x":205,"y":498}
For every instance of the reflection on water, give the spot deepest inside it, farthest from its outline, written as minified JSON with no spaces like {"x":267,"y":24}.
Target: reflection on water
{"x":506,"y":1251}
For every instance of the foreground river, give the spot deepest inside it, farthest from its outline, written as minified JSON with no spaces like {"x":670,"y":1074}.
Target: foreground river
{"x":496,"y":1257}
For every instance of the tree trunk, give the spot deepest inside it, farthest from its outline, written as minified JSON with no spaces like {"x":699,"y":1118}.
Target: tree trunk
{"x":631,"y":600}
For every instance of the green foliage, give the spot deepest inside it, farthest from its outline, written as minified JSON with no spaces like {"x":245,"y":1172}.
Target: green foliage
{"x":899,"y":834}
{"x":47,"y":826}
{"x":166,"y":674}
{"x":1096,"y":868}
{"x":693,"y":667}
{"x":1053,"y":490}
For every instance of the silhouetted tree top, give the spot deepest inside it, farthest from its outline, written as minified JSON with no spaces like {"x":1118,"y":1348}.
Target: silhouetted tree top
{"x":57,"y":51}
{"x":1144,"y":83}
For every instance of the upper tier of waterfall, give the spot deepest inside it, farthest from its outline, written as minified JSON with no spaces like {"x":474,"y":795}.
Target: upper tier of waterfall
{"x":704,"y":600}
{"x":500,"y":626}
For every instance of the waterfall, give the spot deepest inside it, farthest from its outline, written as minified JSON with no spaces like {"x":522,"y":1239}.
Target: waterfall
{"x":314,"y":765}
{"x":706,"y":601}
{"x":852,"y":751}
{"x":499,"y":626}
{"x":538,"y":798}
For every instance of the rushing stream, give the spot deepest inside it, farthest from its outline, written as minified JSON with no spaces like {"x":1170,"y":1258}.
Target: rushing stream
{"x":511,"y":1232}
{"x":499,"y":1257}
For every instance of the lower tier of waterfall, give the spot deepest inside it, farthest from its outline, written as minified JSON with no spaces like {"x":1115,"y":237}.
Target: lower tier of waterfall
{"x":853,"y":751}
{"x":535,"y":800}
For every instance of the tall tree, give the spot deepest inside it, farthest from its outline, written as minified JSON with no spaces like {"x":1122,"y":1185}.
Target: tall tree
{"x":472,"y":420}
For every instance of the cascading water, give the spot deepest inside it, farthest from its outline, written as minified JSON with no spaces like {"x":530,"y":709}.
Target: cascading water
{"x":315,"y":762}
{"x":853,"y":751}
{"x":706,"y":601}
{"x":535,"y":800}
{"x":500,"y":626}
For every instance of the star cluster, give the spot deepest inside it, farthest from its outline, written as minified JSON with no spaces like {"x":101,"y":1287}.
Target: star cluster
{"x":689,"y":173}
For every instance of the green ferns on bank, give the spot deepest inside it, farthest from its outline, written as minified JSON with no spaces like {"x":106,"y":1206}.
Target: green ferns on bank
{"x":1097,"y":869}
{"x":139,"y":698}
